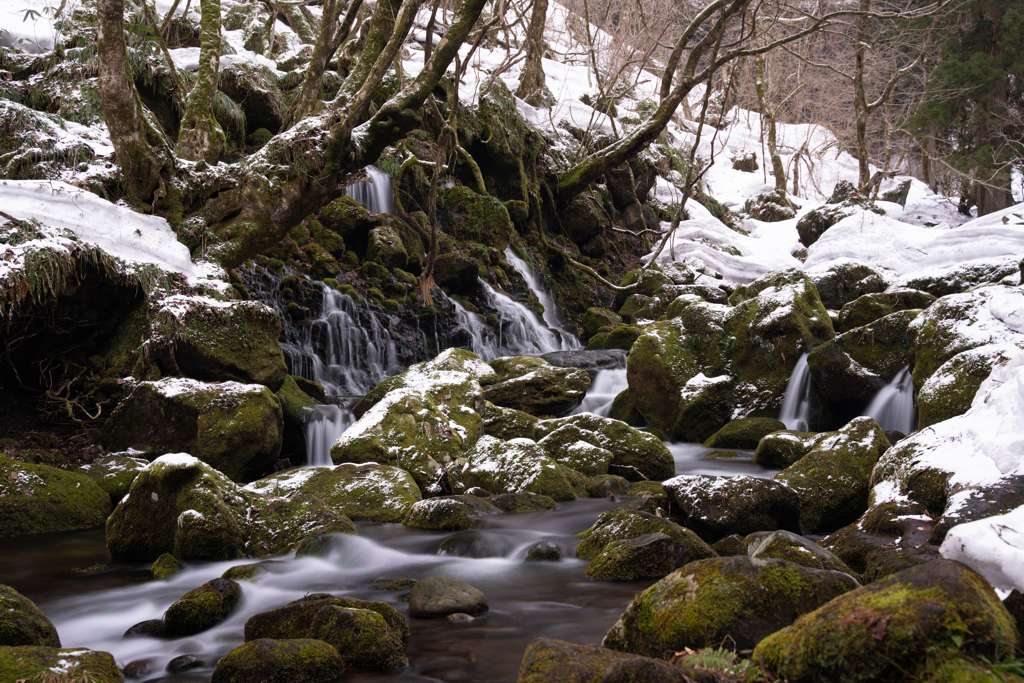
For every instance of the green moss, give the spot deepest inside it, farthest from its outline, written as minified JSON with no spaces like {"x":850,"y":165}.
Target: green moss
{"x":114,"y":473}
{"x":617,"y":525}
{"x":450,"y":513}
{"x":39,"y":664}
{"x":745,"y":433}
{"x":165,"y":567}
{"x":280,"y":661}
{"x":203,"y":607}
{"x":22,"y":623}
{"x":36,"y":499}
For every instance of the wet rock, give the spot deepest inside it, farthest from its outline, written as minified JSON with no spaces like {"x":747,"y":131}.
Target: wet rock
{"x":616,"y":525}
{"x":449,"y":513}
{"x":507,"y":423}
{"x":165,"y":566}
{"x":278,"y":525}
{"x":202,"y":608}
{"x":832,"y":480}
{"x":523,"y":502}
{"x":729,"y":546}
{"x":841,"y":283}
{"x":37,"y":663}
{"x":591,"y":360}
{"x":314,"y":545}
{"x":22,"y":623}
{"x":616,"y":338}
{"x":894,"y":627}
{"x":245,"y":572}
{"x":295,"y":407}
{"x":235,"y":428}
{"x":438,"y":596}
{"x":366,"y":634}
{"x":634,"y":453}
{"x":460,"y":618}
{"x":568,"y":445}
{"x":624,"y":410}
{"x":782,"y":449}
{"x":719,"y":506}
{"x":455,"y":273}
{"x":745,"y":433}
{"x":183,"y":663}
{"x":607,"y":484}
{"x":151,"y":628}
{"x":887,"y":539}
{"x":547,"y":660}
{"x":596,"y":318}
{"x":114,"y":473}
{"x":385,"y":247}
{"x":473,"y":543}
{"x":470,"y":217}
{"x":279,"y":661}
{"x":36,"y":499}
{"x":785,"y":545}
{"x":137,"y":669}
{"x":544,"y":552}
{"x":645,"y":557}
{"x":510,"y":467}
{"x":870,"y":307}
{"x":542,"y":390}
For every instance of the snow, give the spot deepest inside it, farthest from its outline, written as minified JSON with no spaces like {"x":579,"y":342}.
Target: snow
{"x":993,"y":547}
{"x":176,"y":460}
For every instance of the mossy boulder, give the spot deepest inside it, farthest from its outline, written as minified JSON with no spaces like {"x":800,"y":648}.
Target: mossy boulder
{"x":39,"y":663}
{"x":449,"y":513}
{"x":568,"y":445}
{"x":544,"y":390}
{"x":367,"y":634}
{"x":785,"y":545}
{"x":624,"y":410}
{"x":456,"y":273}
{"x":522,"y":502}
{"x":813,"y":224}
{"x":870,"y":307}
{"x":607,"y":485}
{"x":235,"y":428}
{"x":893,"y":627}
{"x":770,"y":207}
{"x":202,"y":608}
{"x":255,"y":89}
{"x":296,"y":405}
{"x":439,"y":596}
{"x":650,"y":283}
{"x":510,"y":467}
{"x":968,"y":276}
{"x":507,"y":423}
{"x":706,"y":602}
{"x":634,"y":452}
{"x":281,"y":524}
{"x":782,"y":449}
{"x":385,"y":247}
{"x":745,"y":433}
{"x":596,"y":318}
{"x":584,"y":218}
{"x":832,"y":480}
{"x":470,"y":217}
{"x":719,"y":506}
{"x":279,"y":661}
{"x":165,"y":567}
{"x":114,"y":473}
{"x":615,"y":337}
{"x":215,"y":341}
{"x":951,"y":389}
{"x":22,"y":623}
{"x":645,"y":557}
{"x":36,"y":499}
{"x":547,"y":660}
{"x":840,"y":283}
{"x":621,"y":524}
{"x":368,"y":492}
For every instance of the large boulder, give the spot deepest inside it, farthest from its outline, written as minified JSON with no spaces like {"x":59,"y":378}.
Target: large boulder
{"x":279,"y":661}
{"x":620,"y":525}
{"x":439,"y":596}
{"x":745,"y":433}
{"x":832,"y":480}
{"x":36,"y":499}
{"x":870,"y":307}
{"x":215,"y":340}
{"x":951,"y":389}
{"x":39,"y":663}
{"x":470,"y":217}
{"x":894,"y":628}
{"x":534,"y":386}
{"x":366,"y":634}
{"x":785,"y":545}
{"x":715,"y":507}
{"x":202,"y":608}
{"x":645,"y":557}
{"x":887,"y":539}
{"x":510,"y":467}
{"x":235,"y":428}
{"x":782,"y":449}
{"x":635,"y":454}
{"x":114,"y":473}
{"x":507,"y":423}
{"x":449,"y":513}
{"x":385,"y":247}
{"x":842,"y":282}
{"x":547,"y":660}
{"x":22,"y":623}
{"x":737,"y":598}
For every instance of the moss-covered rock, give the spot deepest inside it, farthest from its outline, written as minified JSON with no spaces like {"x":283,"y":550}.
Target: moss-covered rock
{"x":893,"y":627}
{"x":470,"y":217}
{"x":785,"y":545}
{"x":967,"y":276}
{"x":832,"y":479}
{"x":366,"y":634}
{"x":522,"y":502}
{"x":449,"y":513}
{"x":202,"y":608}
{"x":622,"y":524}
{"x":510,"y":467}
{"x":845,"y":281}
{"x":279,"y":525}
{"x":35,"y":499}
{"x":22,"y":623}
{"x":624,"y":410}
{"x":814,"y":223}
{"x":507,"y":423}
{"x":719,"y":506}
{"x":596,"y":318}
{"x":607,"y":485}
{"x":706,"y":602}
{"x":280,"y":661}
{"x":644,"y":557}
{"x":295,"y":406}
{"x":547,"y":660}
{"x":633,"y":452}
{"x":745,"y":433}
{"x":256,"y":90}
{"x":39,"y":663}
{"x":114,"y":473}
{"x":569,"y":446}
{"x":439,"y":596}
{"x":235,"y":428}
{"x":164,"y":567}
{"x":870,"y":307}
{"x":545,"y":390}
{"x":782,"y":449}
{"x":544,"y":552}
{"x":385,"y":247}
{"x":615,"y":337}
{"x":951,"y":388}
{"x":770,"y":207}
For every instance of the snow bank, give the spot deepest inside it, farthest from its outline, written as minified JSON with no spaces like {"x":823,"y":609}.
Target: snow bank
{"x":993,"y":547}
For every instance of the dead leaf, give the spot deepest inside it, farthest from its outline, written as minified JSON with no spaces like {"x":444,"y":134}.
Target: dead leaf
{"x":876,"y":622}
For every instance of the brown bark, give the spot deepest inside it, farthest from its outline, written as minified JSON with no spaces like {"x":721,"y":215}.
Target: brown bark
{"x":532,"y":83}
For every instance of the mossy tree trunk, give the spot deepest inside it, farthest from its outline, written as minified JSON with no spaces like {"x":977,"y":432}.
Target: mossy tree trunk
{"x":201,"y":137}
{"x":142,"y":152}
{"x":768,"y":116}
{"x":531,"y":83}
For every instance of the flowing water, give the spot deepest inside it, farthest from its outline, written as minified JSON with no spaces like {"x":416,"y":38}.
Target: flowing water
{"x":375,"y":193}
{"x":552,"y":315}
{"x":893,"y":405}
{"x":796,"y":407}
{"x":527,"y":599}
{"x":607,"y":384}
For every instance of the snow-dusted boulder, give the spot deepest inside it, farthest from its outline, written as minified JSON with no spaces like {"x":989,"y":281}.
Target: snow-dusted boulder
{"x":511,"y":467}
{"x":631,"y":450}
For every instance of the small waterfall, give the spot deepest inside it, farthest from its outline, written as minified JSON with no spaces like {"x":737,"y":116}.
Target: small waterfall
{"x":375,"y":193}
{"x":606,"y":386}
{"x":796,"y":407}
{"x":893,"y":405}
{"x":552,"y":316}
{"x":324,"y":424}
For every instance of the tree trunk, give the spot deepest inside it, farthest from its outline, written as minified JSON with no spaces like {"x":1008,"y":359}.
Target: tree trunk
{"x":142,"y":152}
{"x":860,"y":100}
{"x":769,"y":122}
{"x":531,"y":83}
{"x":201,"y":137}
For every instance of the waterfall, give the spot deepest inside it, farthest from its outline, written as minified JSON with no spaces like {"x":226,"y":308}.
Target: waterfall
{"x":519,"y":332}
{"x":893,"y":405}
{"x":375,"y":193}
{"x":796,"y":407}
{"x":324,"y":424}
{"x":552,"y":316}
{"x":606,"y":386}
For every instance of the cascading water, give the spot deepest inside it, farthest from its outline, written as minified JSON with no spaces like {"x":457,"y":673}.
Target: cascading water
{"x":606,"y":386}
{"x":552,"y":316}
{"x":324,"y":424}
{"x":796,"y":407}
{"x":375,"y":193}
{"x":893,"y":405}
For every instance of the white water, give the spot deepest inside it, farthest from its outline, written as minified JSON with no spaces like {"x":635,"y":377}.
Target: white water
{"x":893,"y":405}
{"x":552,"y":316}
{"x":374,"y":194}
{"x":796,"y":407}
{"x":606,"y":386}
{"x":324,"y":424}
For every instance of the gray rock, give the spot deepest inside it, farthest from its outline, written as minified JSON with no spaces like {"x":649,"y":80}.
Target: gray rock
{"x":439,"y":596}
